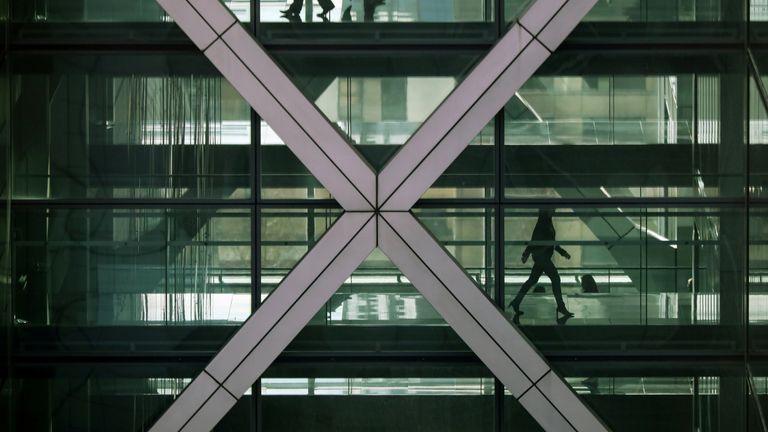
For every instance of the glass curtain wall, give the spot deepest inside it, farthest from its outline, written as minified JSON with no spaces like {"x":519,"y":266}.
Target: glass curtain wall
{"x":758,"y":217}
{"x":147,"y":211}
{"x":5,"y":245}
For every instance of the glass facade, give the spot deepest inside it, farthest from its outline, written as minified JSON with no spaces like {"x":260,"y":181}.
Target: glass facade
{"x":146,"y":211}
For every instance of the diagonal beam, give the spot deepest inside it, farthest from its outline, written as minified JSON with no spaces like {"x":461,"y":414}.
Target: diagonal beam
{"x":273,"y":326}
{"x":299,"y":123}
{"x":479,"y":97}
{"x":353,"y":183}
{"x":482,"y":326}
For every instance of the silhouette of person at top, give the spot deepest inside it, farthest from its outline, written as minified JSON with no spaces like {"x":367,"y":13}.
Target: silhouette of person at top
{"x":293,"y":11}
{"x":542,"y":247}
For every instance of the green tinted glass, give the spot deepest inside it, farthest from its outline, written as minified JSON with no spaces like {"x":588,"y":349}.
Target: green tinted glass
{"x":104,"y":11}
{"x":96,"y":126}
{"x":428,"y":396}
{"x":758,"y":140}
{"x":614,"y":135}
{"x":377,"y":103}
{"x":626,"y":266}
{"x":758,"y":265}
{"x":107,"y":397}
{"x":132,"y":267}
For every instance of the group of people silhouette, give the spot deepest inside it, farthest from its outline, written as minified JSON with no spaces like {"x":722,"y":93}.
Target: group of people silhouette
{"x":293,"y":13}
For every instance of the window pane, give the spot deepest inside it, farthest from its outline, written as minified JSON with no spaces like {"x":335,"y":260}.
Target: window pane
{"x":367,"y":11}
{"x":104,"y":11}
{"x":100,"y":267}
{"x":616,"y":134}
{"x":352,"y":397}
{"x":628,"y":267}
{"x":105,"y":127}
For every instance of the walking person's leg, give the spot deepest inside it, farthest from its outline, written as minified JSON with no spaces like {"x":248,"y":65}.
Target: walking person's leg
{"x":536,"y":272}
{"x":551,"y":271}
{"x":294,"y":8}
{"x":326,"y":5}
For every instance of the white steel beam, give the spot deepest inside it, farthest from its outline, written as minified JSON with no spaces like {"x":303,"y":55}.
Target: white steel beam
{"x":299,"y":123}
{"x":351,"y":180}
{"x":273,"y":326}
{"x":501,"y":346}
{"x":474,"y":102}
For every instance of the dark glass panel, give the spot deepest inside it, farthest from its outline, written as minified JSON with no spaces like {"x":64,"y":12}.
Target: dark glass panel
{"x":5,"y":245}
{"x":758,"y":277}
{"x":127,"y":126}
{"x":83,"y":11}
{"x":468,"y":234}
{"x":596,"y":129}
{"x":375,"y":294}
{"x":128,"y":267}
{"x":758,"y":132}
{"x":653,"y":11}
{"x":758,"y":395}
{"x":653,"y":21}
{"x":366,"y":396}
{"x":107,"y":397}
{"x":107,"y":22}
{"x":669,"y":395}
{"x":377,"y":103}
{"x":647,"y":11}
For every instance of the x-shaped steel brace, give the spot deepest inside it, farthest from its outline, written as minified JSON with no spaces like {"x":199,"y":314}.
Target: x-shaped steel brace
{"x":377,"y":214}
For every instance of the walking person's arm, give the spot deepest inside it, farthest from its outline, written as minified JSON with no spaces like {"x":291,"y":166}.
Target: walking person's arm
{"x":526,"y":253}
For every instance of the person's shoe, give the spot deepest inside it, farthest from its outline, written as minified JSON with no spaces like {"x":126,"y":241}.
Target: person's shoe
{"x":515,"y":305}
{"x":562,"y":310}
{"x":292,"y":17}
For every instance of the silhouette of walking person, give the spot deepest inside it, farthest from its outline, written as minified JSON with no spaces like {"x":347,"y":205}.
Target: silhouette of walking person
{"x":293,"y":11}
{"x":544,"y":235}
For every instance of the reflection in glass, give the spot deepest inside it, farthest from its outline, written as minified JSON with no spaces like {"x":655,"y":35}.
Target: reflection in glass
{"x":85,"y":133}
{"x":653,"y":11}
{"x":758,"y":10}
{"x":377,"y":386}
{"x":624,"y":136}
{"x":650,"y":11}
{"x":429,"y":396}
{"x":377,"y":103}
{"x":758,"y":265}
{"x":758,"y":142}
{"x":5,"y":252}
{"x":377,"y":292}
{"x":107,"y":397}
{"x":104,"y":11}
{"x":131,"y":266}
